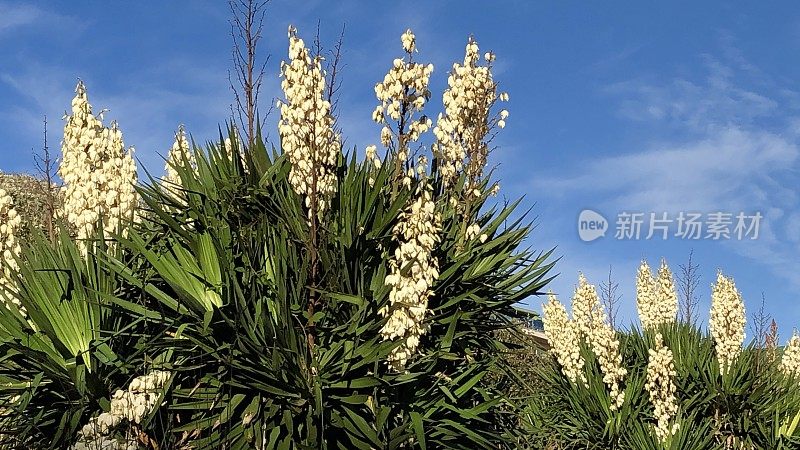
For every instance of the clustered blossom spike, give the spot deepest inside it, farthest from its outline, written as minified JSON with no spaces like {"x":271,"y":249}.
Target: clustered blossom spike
{"x":140,"y":398}
{"x":605,"y":346}
{"x":306,"y":128}
{"x":99,"y":434}
{"x":790,"y":361}
{"x":372,"y":157}
{"x":667,"y":295}
{"x":656,"y":299}
{"x":563,"y":335}
{"x":587,"y":310}
{"x":646,"y":297}
{"x":235,"y":145}
{"x":474,"y":232}
{"x":590,"y":316}
{"x":409,"y":41}
{"x":402,"y":93}
{"x":412,"y":272}
{"x":660,"y":386}
{"x":179,"y":154}
{"x":462,"y":130}
{"x":98,"y":173}
{"x":727,"y":322}
{"x":132,"y":404}
{"x":10,"y":222}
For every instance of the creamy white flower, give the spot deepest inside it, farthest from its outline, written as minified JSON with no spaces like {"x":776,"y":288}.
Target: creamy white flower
{"x":306,"y":128}
{"x":661,"y":388}
{"x":656,"y":300}
{"x":412,"y":272}
{"x":10,"y":223}
{"x":592,"y":322}
{"x":402,"y":94}
{"x":564,"y":338}
{"x":99,"y":174}
{"x":409,"y":41}
{"x":790,"y":360}
{"x":727,"y":322}
{"x":473,"y":231}
{"x":179,"y":154}
{"x":462,"y":131}
{"x":131,"y":405}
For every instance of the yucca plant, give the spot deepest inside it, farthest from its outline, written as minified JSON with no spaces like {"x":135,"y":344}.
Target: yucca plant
{"x":285,"y":298}
{"x":751,"y":405}
{"x":225,"y":276}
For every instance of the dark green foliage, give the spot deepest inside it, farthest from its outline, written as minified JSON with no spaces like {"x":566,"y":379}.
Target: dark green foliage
{"x":58,"y":362}
{"x":214,"y":284}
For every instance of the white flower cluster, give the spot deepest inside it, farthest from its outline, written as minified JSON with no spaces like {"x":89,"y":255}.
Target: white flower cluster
{"x":474,"y":231}
{"x":790,"y":361}
{"x":587,"y":310}
{"x":179,"y":154}
{"x":403,"y":92}
{"x":236,"y":145}
{"x":132,"y":404}
{"x":98,"y":435}
{"x":564,"y":338}
{"x":10,"y":222}
{"x":462,"y":129}
{"x":409,"y":41}
{"x":372,"y":157}
{"x":605,"y":346}
{"x":726,"y":322}
{"x":656,"y":299}
{"x":588,"y":322}
{"x":412,"y":272}
{"x":98,"y":174}
{"x":306,"y":127}
{"x":660,"y":386}
{"x":591,"y":320}
{"x":140,"y":398}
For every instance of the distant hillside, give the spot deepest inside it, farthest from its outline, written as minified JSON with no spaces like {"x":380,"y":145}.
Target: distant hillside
{"x":29,"y":194}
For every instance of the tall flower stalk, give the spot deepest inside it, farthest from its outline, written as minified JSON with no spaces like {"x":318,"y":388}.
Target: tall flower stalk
{"x":310,"y":142}
{"x":593,"y":323}
{"x":790,"y":360}
{"x":661,"y":389}
{"x":727,"y":322}
{"x":464,"y":130}
{"x":413,"y":269}
{"x":403,"y":94}
{"x":656,"y":298}
{"x":99,"y":173}
{"x":10,"y":222}
{"x":306,"y":128}
{"x":589,"y":322}
{"x":564,"y":337}
{"x":179,"y":154}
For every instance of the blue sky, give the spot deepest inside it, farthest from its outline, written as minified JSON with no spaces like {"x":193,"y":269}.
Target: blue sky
{"x":615,"y":106}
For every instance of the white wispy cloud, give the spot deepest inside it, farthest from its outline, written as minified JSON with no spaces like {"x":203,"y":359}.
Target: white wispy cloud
{"x":732,"y":145}
{"x":731,"y":167}
{"x":16,"y":15}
